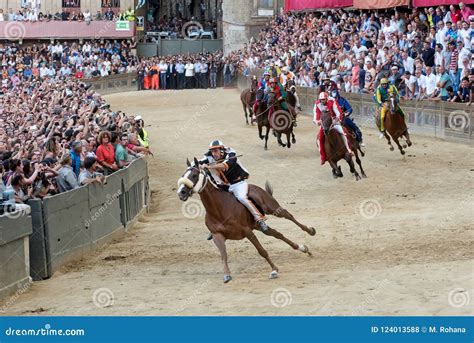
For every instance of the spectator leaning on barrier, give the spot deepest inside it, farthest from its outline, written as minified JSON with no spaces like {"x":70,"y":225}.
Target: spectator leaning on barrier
{"x":66,"y":179}
{"x":90,"y":174}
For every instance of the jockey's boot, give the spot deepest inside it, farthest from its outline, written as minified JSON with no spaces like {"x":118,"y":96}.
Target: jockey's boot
{"x":262,"y":225}
{"x":382,"y":134}
{"x":346,"y":143}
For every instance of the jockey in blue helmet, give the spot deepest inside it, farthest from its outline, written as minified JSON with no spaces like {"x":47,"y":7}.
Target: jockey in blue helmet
{"x":346,"y":109}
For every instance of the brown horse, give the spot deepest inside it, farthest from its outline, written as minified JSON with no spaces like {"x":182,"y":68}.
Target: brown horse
{"x":336,"y":150}
{"x":282,"y":121}
{"x":247,"y":97}
{"x":395,"y":126}
{"x":262,"y":116}
{"x":226,"y":218}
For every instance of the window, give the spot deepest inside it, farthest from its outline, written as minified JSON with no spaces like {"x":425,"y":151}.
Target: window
{"x":265,"y":7}
{"x":71,"y":3}
{"x":110,"y":3}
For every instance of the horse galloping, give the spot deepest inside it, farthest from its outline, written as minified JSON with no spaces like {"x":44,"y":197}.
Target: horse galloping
{"x":395,"y":126}
{"x":336,"y":150}
{"x":247,"y":97}
{"x":262,"y":116}
{"x":282,"y":121}
{"x":226,"y":218}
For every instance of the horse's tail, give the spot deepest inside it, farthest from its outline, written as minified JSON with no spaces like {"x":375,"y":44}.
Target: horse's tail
{"x":268,"y":188}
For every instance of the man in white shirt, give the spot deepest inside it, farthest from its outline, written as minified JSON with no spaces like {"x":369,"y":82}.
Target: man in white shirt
{"x":189,"y":74}
{"x":441,"y":34}
{"x":203,"y":75}
{"x":438,"y":57}
{"x":197,"y":73}
{"x":163,"y":67}
{"x":408,"y":62}
{"x":420,"y":89}
{"x":430,"y":82}
{"x":104,"y":71}
{"x":180,"y":71}
{"x":358,"y":48}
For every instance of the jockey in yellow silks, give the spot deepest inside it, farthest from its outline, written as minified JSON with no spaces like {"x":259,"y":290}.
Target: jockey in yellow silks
{"x":381,"y":97}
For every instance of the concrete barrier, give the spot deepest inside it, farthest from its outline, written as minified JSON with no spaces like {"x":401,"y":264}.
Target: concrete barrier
{"x":70,"y":225}
{"x":15,"y":230}
{"x":438,"y":119}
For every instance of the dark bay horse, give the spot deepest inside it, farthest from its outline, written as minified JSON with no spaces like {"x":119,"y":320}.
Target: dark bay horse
{"x":336,"y":149}
{"x":226,"y":218}
{"x":247,"y":97}
{"x":282,"y":121}
{"x":262,"y":116}
{"x":395,"y":126}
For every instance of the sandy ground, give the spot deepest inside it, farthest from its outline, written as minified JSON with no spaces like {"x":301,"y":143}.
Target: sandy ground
{"x":397,"y":243}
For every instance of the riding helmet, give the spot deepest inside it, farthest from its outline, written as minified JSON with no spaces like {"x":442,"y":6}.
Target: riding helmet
{"x":384,"y":81}
{"x":216,"y":144}
{"x":323,"y":96}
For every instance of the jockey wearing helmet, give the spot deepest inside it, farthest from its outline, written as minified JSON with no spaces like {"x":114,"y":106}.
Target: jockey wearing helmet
{"x":286,"y":76}
{"x":381,"y":97}
{"x":324,"y":103}
{"x":280,"y":95}
{"x":346,"y":109}
{"x":222,"y":162}
{"x":263,"y":84}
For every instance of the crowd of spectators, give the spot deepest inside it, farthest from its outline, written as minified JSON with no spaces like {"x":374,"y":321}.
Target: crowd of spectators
{"x":185,"y":71}
{"x":35,"y":14}
{"x":425,"y":52}
{"x":56,"y":133}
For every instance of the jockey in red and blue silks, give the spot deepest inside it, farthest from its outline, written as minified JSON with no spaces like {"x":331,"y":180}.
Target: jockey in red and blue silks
{"x":346,"y":110}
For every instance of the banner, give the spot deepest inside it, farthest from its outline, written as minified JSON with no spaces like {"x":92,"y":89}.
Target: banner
{"x":429,"y":3}
{"x":236,"y":329}
{"x":379,"y":4}
{"x":122,"y":25}
{"x":299,"y":5}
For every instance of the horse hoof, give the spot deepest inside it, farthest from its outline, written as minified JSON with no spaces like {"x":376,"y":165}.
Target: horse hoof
{"x":358,"y":178}
{"x":227,"y":278}
{"x":288,"y":146}
{"x":303,"y":248}
{"x":404,"y":146}
{"x":273,"y":274}
{"x":293,"y":141}
{"x":364,"y":176}
{"x":402,"y":152}
{"x":335,"y":176}
{"x":265,"y":148}
{"x":312,"y":231}
{"x":391,"y":148}
{"x":409,"y":143}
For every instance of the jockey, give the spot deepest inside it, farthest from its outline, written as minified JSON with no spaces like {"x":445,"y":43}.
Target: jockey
{"x":263,"y":84}
{"x":328,"y":104}
{"x":346,"y":109}
{"x":222,"y":161}
{"x":280,"y":95}
{"x":286,"y":75}
{"x":328,"y":85}
{"x":381,"y":97}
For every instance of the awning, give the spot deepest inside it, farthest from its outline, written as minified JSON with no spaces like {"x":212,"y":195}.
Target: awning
{"x":298,"y":5}
{"x":380,"y":4}
{"x":430,"y":3}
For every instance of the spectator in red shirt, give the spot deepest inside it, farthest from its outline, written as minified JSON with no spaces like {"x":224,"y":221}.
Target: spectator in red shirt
{"x":79,"y":74}
{"x":456,"y":14}
{"x":105,"y":153}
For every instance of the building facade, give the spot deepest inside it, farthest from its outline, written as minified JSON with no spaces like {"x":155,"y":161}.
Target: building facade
{"x":243,"y":19}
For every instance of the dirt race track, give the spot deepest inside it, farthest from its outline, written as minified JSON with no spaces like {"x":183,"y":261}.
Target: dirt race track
{"x":397,"y":243}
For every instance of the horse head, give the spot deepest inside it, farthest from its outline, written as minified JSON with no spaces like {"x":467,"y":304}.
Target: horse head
{"x":260,"y":94}
{"x":272,"y":100}
{"x":326,"y":121}
{"x":392,"y":103}
{"x":254,"y":85}
{"x":193,"y":180}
